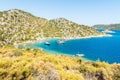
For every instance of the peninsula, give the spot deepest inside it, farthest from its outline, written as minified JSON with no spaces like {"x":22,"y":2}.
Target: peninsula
{"x":18,"y":26}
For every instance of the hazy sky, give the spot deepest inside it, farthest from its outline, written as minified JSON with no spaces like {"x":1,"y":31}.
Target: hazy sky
{"x":88,"y":12}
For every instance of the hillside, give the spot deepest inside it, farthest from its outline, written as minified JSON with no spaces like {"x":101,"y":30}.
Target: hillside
{"x":18,"y":64}
{"x":109,"y":27}
{"x":17,"y":26}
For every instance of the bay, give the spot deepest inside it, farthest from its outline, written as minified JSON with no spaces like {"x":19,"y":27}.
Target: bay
{"x":103,"y":48}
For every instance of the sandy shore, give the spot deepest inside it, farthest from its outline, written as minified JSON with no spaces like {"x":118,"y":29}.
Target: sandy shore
{"x":40,"y":40}
{"x":73,"y":38}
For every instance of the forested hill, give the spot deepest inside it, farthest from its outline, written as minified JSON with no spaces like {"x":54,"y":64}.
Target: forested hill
{"x":17,"y":26}
{"x":109,"y":27}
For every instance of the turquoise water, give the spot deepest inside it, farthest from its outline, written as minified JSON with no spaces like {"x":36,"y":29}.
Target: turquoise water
{"x":105,"y":48}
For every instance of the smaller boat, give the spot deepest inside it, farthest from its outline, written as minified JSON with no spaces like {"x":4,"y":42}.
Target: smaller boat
{"x":80,"y":55}
{"x":60,"y":41}
{"x":47,"y":43}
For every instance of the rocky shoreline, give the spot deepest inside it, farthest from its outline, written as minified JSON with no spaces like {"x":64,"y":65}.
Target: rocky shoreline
{"x":65,"y":38}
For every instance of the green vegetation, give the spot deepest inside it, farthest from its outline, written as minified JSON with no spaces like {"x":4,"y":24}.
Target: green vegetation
{"x":18,"y":64}
{"x":109,"y":27}
{"x":17,"y":26}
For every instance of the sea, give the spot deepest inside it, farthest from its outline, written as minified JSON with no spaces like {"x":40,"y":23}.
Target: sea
{"x":105,"y":49}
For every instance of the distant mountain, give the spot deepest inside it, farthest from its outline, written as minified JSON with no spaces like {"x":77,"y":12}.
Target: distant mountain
{"x":109,"y":27}
{"x":17,"y":26}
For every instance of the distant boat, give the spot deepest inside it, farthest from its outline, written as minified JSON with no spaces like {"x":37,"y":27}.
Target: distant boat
{"x":47,"y":43}
{"x":80,"y":55}
{"x":60,"y":41}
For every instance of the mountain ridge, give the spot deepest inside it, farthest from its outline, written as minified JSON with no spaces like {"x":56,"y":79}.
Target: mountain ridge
{"x":18,"y":26}
{"x":108,"y":26}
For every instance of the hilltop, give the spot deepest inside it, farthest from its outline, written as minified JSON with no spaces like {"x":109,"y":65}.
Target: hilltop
{"x":109,"y":26}
{"x":17,"y":26}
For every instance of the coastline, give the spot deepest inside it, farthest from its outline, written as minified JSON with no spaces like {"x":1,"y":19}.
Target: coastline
{"x":40,"y":40}
{"x":94,"y":36}
{"x":65,"y":54}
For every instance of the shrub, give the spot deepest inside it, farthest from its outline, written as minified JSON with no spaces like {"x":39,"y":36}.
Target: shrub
{"x":3,"y":73}
{"x":79,"y":60}
{"x":116,"y":72}
{"x":17,"y":53}
{"x":27,"y":49}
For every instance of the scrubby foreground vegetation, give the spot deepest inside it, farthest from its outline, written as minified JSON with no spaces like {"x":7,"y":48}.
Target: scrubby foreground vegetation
{"x":17,"y":26}
{"x":18,"y":64}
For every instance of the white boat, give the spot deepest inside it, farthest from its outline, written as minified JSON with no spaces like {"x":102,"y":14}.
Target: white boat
{"x":60,"y":41}
{"x":80,"y":55}
{"x":47,"y":43}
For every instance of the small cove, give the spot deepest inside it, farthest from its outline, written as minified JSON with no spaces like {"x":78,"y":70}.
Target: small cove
{"x":102,"y":48}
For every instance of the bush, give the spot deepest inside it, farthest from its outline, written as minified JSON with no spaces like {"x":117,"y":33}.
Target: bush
{"x":79,"y":60}
{"x":17,"y":53}
{"x":3,"y":73}
{"x":27,"y":49}
{"x":116,"y":72}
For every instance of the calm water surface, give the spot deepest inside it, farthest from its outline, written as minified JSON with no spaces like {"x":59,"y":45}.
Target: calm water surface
{"x":104,"y":49}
